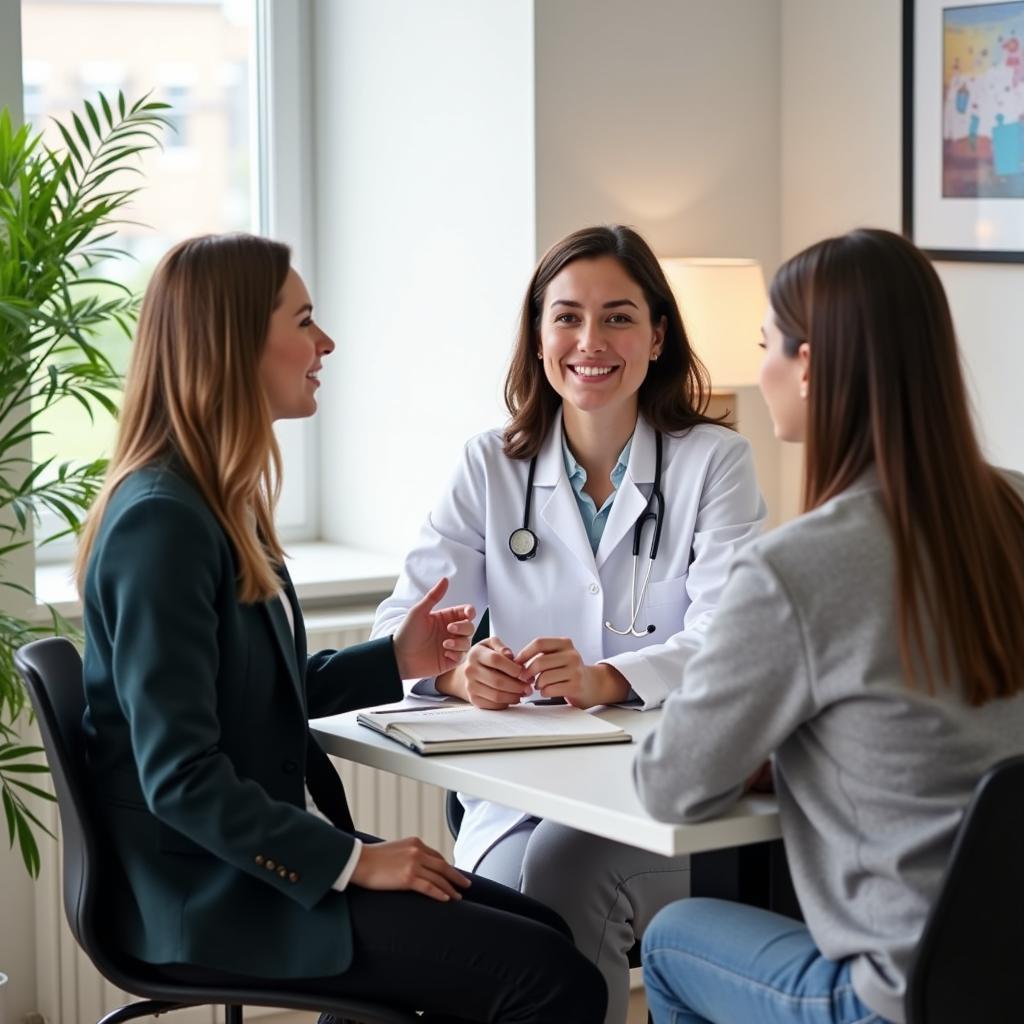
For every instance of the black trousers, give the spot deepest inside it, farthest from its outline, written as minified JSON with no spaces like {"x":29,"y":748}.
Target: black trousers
{"x":495,"y":955}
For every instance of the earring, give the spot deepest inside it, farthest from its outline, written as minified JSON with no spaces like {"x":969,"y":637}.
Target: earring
{"x":803,"y":390}
{"x":540,"y":355}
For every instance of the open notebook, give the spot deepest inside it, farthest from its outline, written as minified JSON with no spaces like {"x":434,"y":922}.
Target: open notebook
{"x":451,"y":728}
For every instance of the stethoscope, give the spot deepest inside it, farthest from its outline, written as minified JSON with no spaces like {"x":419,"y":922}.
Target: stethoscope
{"x":522,"y":542}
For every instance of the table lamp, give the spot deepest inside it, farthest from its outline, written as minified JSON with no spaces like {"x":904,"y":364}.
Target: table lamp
{"x":723,"y":302}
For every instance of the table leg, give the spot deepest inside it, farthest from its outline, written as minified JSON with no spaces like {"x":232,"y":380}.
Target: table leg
{"x":757,"y":875}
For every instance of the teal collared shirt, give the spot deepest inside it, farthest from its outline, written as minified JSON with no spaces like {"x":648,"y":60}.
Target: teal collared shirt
{"x":594,"y":519}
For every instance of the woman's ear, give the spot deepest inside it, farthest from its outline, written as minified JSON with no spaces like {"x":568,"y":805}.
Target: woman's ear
{"x":659,"y":337}
{"x":803,"y":355}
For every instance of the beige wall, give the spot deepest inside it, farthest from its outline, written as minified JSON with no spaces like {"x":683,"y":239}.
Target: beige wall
{"x":841,"y":166}
{"x":665,"y":115}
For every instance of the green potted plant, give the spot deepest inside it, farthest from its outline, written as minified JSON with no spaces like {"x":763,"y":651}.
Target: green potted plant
{"x":59,"y":212}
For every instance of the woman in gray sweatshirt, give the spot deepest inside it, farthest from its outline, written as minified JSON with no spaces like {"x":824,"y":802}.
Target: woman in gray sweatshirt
{"x":873,"y":646}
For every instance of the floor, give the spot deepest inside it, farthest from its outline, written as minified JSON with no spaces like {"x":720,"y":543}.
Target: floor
{"x":637,"y":1013}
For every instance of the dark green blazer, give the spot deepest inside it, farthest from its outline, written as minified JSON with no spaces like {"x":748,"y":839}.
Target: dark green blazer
{"x":199,"y":745}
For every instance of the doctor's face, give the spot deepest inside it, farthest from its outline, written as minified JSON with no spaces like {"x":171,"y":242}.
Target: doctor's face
{"x":295,"y":348}
{"x":596,"y":336}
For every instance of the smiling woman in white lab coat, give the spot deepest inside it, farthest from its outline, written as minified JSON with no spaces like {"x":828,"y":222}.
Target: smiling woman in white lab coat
{"x":607,"y":451}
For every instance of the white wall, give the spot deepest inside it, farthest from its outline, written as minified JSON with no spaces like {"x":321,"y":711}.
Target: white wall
{"x":424,"y":190}
{"x":841,"y":138}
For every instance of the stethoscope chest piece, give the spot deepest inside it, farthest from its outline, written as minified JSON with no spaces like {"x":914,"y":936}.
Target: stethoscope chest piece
{"x":523,"y":543}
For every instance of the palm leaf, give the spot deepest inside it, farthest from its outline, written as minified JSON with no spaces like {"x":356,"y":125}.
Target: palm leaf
{"x":60,"y":211}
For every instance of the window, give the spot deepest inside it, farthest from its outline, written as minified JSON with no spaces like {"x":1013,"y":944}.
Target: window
{"x":35,"y":75}
{"x":209,"y":60}
{"x":180,"y":99}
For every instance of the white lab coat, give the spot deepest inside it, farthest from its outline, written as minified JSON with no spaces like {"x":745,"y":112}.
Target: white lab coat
{"x":712,"y":508}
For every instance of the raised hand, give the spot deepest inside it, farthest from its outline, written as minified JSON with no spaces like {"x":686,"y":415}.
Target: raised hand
{"x":557,"y":670}
{"x":429,"y":642}
{"x":489,"y":678}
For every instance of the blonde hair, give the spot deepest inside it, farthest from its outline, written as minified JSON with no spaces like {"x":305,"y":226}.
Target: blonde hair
{"x":193,"y":393}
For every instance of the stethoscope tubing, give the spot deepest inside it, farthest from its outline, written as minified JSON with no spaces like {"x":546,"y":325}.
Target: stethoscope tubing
{"x":523,"y":542}
{"x":635,"y":602}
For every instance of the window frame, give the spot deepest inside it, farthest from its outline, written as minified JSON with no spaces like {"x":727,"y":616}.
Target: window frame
{"x":281,"y":131}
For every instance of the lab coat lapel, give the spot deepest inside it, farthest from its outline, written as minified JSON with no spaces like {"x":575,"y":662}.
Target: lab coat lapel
{"x":558,"y":509}
{"x":630,"y":500}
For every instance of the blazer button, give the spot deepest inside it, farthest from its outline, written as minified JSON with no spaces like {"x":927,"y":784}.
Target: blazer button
{"x":293,"y":877}
{"x":282,"y":872}
{"x":270,"y":865}
{"x":259,"y":859}
{"x":290,"y":767}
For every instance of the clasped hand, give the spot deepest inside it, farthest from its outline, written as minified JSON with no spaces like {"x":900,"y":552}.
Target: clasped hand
{"x":494,"y":677}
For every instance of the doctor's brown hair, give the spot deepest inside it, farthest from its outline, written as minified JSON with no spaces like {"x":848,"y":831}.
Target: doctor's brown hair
{"x":675,"y":393}
{"x":193,"y":392}
{"x":886,"y":389}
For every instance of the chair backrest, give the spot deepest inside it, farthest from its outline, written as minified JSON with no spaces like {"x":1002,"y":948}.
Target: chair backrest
{"x":453,"y":812}
{"x":52,"y":671}
{"x":967,"y":965}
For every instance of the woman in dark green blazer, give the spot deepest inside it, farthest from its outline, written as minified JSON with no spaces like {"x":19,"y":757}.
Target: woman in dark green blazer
{"x":240,"y":855}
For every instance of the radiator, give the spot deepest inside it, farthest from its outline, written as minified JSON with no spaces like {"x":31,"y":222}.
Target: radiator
{"x":70,"y":991}
{"x":382,"y":804}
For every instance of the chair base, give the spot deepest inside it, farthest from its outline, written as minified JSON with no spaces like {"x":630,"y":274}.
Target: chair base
{"x":146,"y":1008}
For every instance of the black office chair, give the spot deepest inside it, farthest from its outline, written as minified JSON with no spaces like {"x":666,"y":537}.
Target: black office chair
{"x":967,"y":965}
{"x":52,"y":670}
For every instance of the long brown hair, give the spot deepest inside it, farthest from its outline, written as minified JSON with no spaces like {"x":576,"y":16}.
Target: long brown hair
{"x":676,"y":391}
{"x":886,"y":388}
{"x":193,"y":392}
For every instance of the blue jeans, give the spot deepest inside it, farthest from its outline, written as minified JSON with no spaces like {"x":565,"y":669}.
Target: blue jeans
{"x":713,"y":962}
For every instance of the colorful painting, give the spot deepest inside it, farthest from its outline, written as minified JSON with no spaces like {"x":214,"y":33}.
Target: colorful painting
{"x":963,"y":129}
{"x":983,"y":101}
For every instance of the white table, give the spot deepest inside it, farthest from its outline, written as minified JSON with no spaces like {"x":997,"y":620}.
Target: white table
{"x":588,"y":788}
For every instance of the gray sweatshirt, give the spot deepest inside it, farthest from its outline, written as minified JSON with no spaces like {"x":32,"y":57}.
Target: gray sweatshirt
{"x":872,"y":777}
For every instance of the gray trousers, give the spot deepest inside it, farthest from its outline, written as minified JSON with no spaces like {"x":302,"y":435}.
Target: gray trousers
{"x":605,"y":891}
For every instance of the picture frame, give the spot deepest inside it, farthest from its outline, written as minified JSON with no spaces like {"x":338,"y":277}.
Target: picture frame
{"x":963,"y":128}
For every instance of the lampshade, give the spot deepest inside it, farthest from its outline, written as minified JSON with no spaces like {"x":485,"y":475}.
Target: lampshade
{"x":722,"y":302}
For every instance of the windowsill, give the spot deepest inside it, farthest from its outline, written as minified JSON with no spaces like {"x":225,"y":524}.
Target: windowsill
{"x":323,"y":574}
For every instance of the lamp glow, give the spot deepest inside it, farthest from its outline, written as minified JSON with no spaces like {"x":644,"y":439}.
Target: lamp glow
{"x":722,"y":302}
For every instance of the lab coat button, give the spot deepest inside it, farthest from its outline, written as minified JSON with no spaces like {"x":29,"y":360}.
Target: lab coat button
{"x":282,"y":872}
{"x":594,"y":588}
{"x":259,"y":859}
{"x":293,"y":877}
{"x":269,"y":865}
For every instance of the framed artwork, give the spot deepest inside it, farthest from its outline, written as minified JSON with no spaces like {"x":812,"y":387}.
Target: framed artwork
{"x":963,"y":128}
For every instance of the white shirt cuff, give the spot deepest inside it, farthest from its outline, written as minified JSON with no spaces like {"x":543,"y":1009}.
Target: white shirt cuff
{"x":341,"y":882}
{"x":643,"y":679}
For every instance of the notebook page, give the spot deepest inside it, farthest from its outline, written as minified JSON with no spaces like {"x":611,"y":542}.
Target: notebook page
{"x":469,"y":723}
